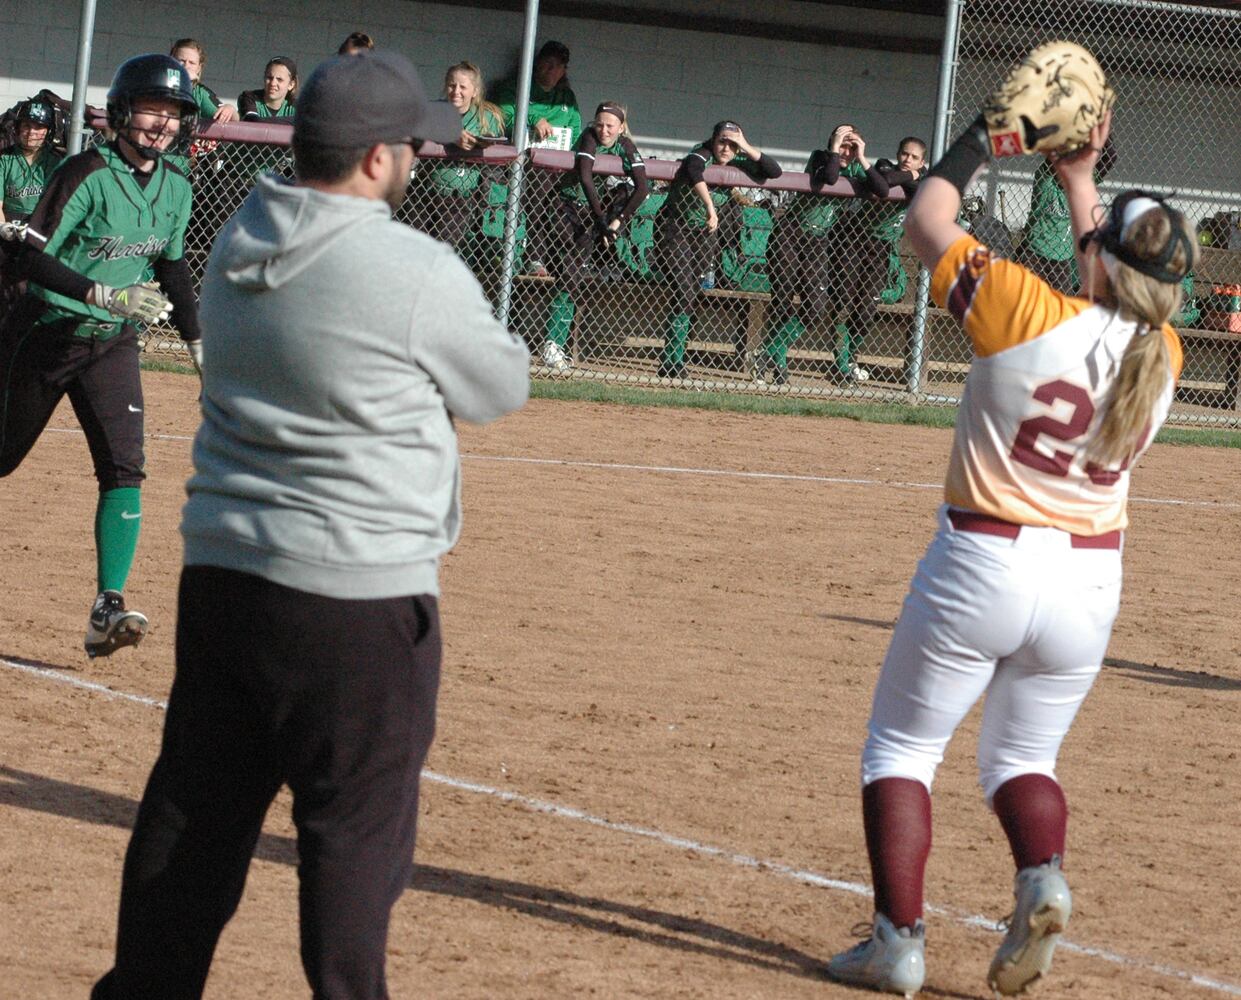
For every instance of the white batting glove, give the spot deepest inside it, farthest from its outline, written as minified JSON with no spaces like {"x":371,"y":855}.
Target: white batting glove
{"x":13,"y":232}
{"x":195,"y":347}
{"x":139,"y":303}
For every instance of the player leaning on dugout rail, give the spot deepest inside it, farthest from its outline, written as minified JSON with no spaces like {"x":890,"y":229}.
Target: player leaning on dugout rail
{"x":1017,"y":592}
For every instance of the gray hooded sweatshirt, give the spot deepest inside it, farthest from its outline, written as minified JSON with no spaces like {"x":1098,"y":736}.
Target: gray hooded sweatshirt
{"x":338,"y":345}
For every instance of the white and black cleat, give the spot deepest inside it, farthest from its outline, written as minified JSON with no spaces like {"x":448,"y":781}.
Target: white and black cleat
{"x":111,"y":626}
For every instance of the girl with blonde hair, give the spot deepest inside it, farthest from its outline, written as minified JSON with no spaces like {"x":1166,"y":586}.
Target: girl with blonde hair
{"x":1016,"y":595}
{"x":454,"y":187}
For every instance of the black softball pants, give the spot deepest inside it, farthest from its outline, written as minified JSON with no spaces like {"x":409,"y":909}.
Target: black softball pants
{"x":276,"y":686}
{"x":799,"y":265}
{"x":40,"y":363}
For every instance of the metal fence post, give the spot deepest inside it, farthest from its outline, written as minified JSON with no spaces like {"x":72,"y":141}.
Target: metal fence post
{"x":939,"y":142}
{"x":512,"y":207}
{"x":81,"y":75}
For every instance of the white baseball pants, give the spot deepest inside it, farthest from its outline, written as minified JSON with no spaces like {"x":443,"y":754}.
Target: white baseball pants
{"x":1025,"y":620}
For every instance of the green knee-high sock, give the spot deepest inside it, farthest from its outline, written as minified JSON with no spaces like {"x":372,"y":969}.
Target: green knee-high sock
{"x":678,"y":334}
{"x":844,"y":349}
{"x":786,"y":338}
{"x":117,"y":520}
{"x":560,"y":318}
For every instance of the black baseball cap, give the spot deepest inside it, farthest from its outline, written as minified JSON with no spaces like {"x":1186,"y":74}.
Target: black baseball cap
{"x":360,"y":100}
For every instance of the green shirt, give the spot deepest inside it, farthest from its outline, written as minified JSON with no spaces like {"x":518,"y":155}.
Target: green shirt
{"x":570,"y":182}
{"x":98,"y":220}
{"x":205,"y":98}
{"x":451,"y":177}
{"x":683,"y":202}
{"x":1049,"y":232}
{"x":22,"y":183}
{"x":816,"y":213}
{"x":558,"y":106}
{"x":882,"y":219}
{"x":286,"y":110}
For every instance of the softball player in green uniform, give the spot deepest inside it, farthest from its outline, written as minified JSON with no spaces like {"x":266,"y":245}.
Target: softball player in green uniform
{"x":452,"y":196}
{"x":26,"y":165}
{"x":863,"y":244}
{"x":553,"y":104}
{"x":589,"y":215}
{"x":110,"y":219}
{"x":191,"y":54}
{"x":1048,"y":249}
{"x":689,"y":228}
{"x":24,"y":169}
{"x":277,"y":98}
{"x":801,"y":260}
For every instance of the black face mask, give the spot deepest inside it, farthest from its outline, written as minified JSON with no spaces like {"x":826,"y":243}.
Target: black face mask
{"x":1108,"y":236}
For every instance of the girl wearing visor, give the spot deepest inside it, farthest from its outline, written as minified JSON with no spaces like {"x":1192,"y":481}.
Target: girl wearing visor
{"x":1016,"y":595}
{"x":689,"y":229}
{"x":590,"y":215}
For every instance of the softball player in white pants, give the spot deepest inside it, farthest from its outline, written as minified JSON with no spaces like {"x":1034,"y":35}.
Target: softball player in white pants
{"x":1016,"y":596}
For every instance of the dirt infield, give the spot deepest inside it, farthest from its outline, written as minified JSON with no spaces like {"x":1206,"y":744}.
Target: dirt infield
{"x":666,"y":624}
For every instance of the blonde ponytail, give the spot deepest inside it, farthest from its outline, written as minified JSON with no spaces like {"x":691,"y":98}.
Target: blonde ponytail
{"x":1144,"y":367}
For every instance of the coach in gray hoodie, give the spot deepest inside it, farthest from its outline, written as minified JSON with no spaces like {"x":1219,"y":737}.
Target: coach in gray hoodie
{"x":338,"y":347}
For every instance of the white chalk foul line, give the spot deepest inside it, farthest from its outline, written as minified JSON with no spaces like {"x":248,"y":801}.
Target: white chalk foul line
{"x":679,"y":470}
{"x":801,"y":875}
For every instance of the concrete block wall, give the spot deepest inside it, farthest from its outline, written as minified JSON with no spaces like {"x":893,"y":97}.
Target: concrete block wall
{"x":677,"y":83}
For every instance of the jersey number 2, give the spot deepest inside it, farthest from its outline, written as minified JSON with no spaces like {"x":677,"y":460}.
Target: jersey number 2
{"x":1058,"y":462}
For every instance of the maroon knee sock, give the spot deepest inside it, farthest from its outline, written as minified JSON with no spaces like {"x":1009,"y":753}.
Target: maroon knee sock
{"x":1035,"y":817}
{"x":896,"y":813}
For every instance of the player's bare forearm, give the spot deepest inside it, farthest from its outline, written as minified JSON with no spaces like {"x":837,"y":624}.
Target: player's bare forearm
{"x":932,"y":220}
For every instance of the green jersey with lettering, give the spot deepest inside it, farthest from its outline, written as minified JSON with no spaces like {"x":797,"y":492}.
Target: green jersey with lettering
{"x":683,"y":203}
{"x":817,"y":213}
{"x":22,"y":183}
{"x":95,"y":218}
{"x":452,"y":177}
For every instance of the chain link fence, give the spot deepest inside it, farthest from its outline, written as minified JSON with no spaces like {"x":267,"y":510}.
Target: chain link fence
{"x":814,"y":291}
{"x":1176,"y":71}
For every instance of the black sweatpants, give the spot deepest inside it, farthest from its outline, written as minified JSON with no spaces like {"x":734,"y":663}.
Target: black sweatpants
{"x":277,"y":686}
{"x":40,"y":363}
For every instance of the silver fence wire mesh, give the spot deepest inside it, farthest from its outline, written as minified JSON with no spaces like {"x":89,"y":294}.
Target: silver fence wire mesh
{"x":1176,"y":71}
{"x":811,"y":292}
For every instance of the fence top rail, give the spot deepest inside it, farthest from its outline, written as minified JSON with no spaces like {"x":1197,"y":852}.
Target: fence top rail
{"x":665,"y":170}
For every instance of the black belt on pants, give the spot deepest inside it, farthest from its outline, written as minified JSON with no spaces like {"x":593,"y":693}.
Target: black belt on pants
{"x":985,"y":524}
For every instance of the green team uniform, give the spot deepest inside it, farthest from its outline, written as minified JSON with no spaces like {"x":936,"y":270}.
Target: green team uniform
{"x":23,"y":182}
{"x":570,"y":182}
{"x":687,"y":248}
{"x":96,"y":219}
{"x":686,"y":207}
{"x":558,"y":106}
{"x":816,"y":214}
{"x":454,"y":178}
{"x":206,"y":99}
{"x":1049,"y":232}
{"x":287,"y":110}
